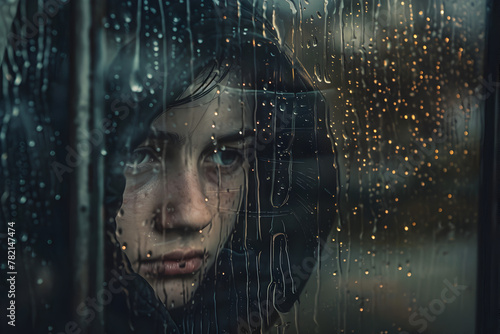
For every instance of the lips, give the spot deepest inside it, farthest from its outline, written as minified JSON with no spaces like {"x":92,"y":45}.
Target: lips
{"x":179,"y":262}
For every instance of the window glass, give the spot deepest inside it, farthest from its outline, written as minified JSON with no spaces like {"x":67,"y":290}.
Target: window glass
{"x":241,"y":166}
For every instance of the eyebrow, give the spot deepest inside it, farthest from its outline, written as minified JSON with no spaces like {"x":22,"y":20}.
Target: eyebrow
{"x":236,"y":136}
{"x":175,"y":138}
{"x":169,"y":137}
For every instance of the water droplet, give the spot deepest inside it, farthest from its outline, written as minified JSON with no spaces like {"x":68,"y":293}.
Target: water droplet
{"x":136,"y":87}
{"x":18,"y":80}
{"x":317,"y":72}
{"x":315,"y":41}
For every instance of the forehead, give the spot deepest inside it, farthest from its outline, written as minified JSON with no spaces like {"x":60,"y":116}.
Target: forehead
{"x":222,"y":111}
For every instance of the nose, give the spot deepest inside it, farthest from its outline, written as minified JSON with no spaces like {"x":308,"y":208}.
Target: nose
{"x":180,"y":200}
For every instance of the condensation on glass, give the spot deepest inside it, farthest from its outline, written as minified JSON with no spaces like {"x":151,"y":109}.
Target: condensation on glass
{"x":240,"y":166}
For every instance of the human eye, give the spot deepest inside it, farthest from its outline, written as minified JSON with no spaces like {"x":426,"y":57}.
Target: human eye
{"x":225,"y":158}
{"x":142,"y":158}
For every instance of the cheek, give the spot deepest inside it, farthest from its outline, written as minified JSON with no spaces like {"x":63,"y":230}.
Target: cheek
{"x":224,"y":202}
{"x":225,"y":209}
{"x":222,"y":228}
{"x":137,"y":202}
{"x":142,"y":180}
{"x":133,"y":217}
{"x":124,"y":226}
{"x":227,"y":193}
{"x":135,"y":187}
{"x":228,"y":208}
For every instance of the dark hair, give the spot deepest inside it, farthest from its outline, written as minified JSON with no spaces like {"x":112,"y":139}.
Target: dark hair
{"x":289,"y":208}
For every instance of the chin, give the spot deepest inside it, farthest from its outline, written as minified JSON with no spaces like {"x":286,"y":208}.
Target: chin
{"x":175,"y":292}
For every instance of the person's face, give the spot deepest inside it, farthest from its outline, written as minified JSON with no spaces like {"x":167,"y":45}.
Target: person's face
{"x":184,"y":188}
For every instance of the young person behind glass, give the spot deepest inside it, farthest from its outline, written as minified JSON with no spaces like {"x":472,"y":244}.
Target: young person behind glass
{"x":220,"y":186}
